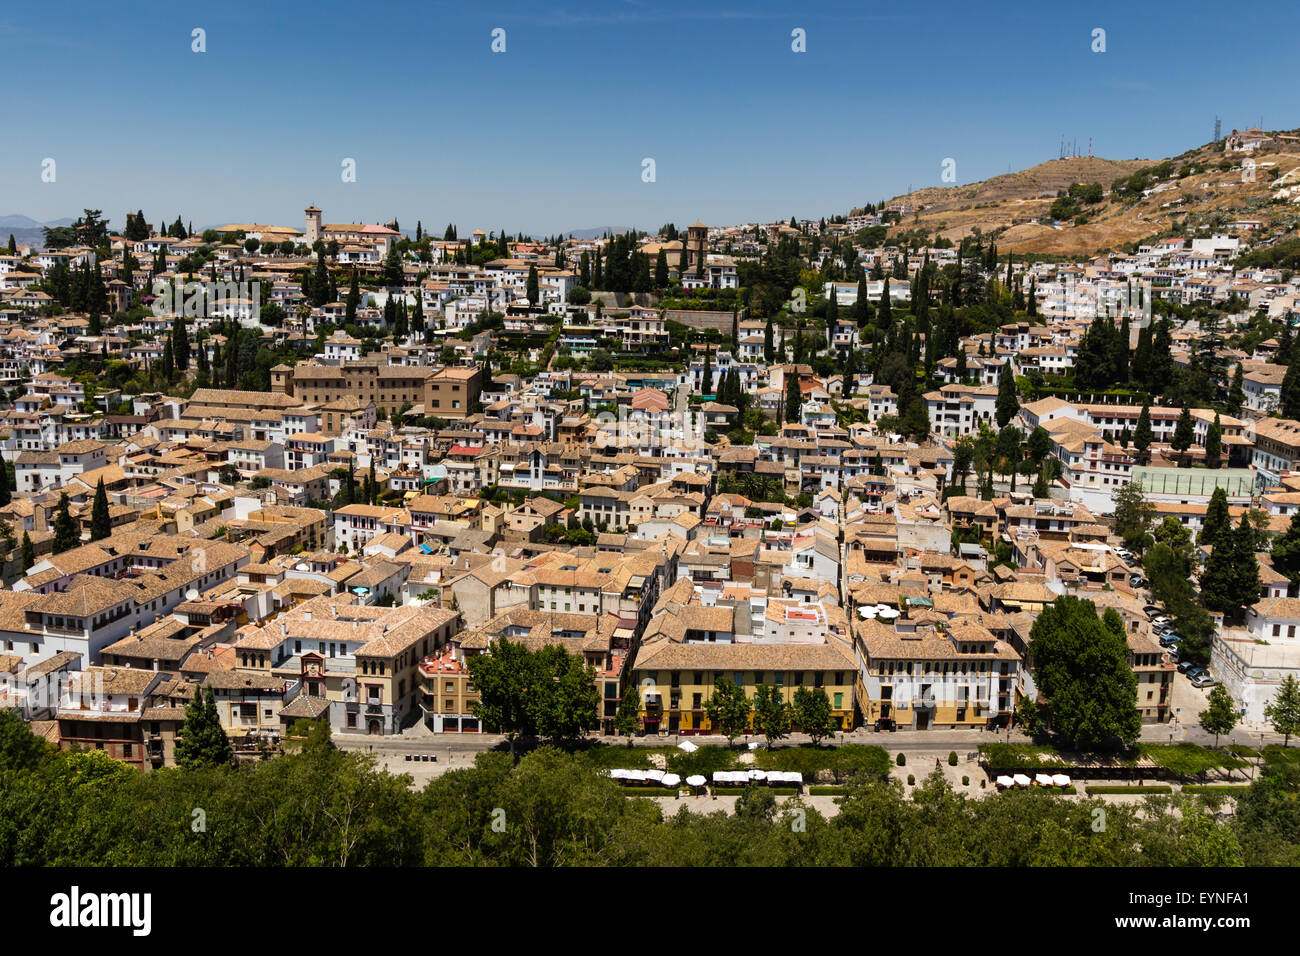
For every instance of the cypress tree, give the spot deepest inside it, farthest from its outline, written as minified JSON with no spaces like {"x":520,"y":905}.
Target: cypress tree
{"x":29,"y":552}
{"x":6,"y":490}
{"x":1214,"y":443}
{"x":1007,"y":403}
{"x":1184,"y":431}
{"x":100,"y":525}
{"x":202,"y":742}
{"x":793,"y":402}
{"x":1144,"y":436}
{"x":66,"y":535}
{"x":1217,"y":524}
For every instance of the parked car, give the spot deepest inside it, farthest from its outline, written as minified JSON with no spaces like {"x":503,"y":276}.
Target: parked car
{"x":1161,"y":621}
{"x":1137,"y":581}
{"x":1170,"y":640}
{"x":1185,"y":666}
{"x":1153,"y":610}
{"x":1196,"y":672}
{"x":1203,"y":680}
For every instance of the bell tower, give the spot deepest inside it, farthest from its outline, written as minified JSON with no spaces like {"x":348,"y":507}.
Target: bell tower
{"x":313,"y":230}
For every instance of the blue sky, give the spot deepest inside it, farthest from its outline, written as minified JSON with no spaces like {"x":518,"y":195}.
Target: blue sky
{"x":551,"y":134}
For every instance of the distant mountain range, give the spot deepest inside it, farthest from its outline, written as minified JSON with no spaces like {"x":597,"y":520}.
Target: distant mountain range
{"x":26,"y":230}
{"x":18,"y":221}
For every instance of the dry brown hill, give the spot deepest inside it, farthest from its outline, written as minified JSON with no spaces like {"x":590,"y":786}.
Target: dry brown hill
{"x":1204,"y":186}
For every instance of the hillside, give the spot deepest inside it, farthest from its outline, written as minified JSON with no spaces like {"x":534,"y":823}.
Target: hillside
{"x":1202,"y":187}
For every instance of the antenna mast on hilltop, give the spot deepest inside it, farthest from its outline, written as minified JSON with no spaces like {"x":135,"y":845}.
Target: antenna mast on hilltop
{"x":1062,"y":155}
{"x":1089,"y":147}
{"x":1218,"y":129}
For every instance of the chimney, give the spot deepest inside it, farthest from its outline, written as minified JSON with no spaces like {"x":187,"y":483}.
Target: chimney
{"x":284,"y":628}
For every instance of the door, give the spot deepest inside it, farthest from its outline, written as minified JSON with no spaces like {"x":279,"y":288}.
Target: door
{"x":922,"y":720}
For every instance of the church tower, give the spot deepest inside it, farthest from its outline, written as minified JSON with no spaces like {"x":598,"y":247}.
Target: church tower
{"x":313,"y":225}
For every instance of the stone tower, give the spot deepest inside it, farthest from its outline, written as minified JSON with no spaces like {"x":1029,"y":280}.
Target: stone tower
{"x":313,"y":225}
{"x":697,"y":237}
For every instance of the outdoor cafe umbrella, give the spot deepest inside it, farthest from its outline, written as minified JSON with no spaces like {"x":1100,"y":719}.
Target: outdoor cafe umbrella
{"x":671,"y":780}
{"x":695,"y":780}
{"x":689,"y":747}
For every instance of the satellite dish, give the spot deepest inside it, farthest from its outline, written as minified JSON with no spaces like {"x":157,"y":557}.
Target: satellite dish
{"x":192,"y":595}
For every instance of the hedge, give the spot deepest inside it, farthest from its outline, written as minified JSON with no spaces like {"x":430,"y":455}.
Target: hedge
{"x":1150,"y":788}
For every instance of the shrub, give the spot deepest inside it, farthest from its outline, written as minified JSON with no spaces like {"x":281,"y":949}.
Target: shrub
{"x":965,"y":781}
{"x":911,"y":780}
{"x":952,"y":758}
{"x":902,"y":760}
{"x":703,"y":761}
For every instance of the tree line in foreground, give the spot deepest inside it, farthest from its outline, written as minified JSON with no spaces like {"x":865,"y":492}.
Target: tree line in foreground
{"x":320,"y":806}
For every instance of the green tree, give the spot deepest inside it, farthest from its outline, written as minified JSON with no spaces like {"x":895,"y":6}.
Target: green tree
{"x":1220,"y":716}
{"x":100,"y":524}
{"x":1217,"y":524}
{"x":793,"y":402}
{"x":1081,"y":668}
{"x":1286,"y":551}
{"x":66,"y":533}
{"x":1007,"y":404}
{"x":20,"y":749}
{"x":1184,"y":431}
{"x":29,"y":552}
{"x":771,"y":713}
{"x":1231,"y":577}
{"x":1283,"y":711}
{"x":812,"y":713}
{"x":1143,"y":435}
{"x":728,"y":709}
{"x":628,"y":718}
{"x":202,"y":741}
{"x":531,"y":289}
{"x":1214,"y":444}
{"x":506,"y":680}
{"x":1133,"y":516}
{"x":569,"y":702}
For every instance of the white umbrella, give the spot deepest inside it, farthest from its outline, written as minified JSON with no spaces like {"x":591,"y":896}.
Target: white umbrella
{"x":1005,"y":781}
{"x":671,"y":780}
{"x":636,"y":776}
{"x":1060,"y":780}
{"x":758,"y":775}
{"x":689,"y":747}
{"x":1043,"y":779}
{"x":721,"y":776}
{"x":1021,"y":780}
{"x":696,"y":780}
{"x":653,"y":775}
{"x":617,"y":774}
